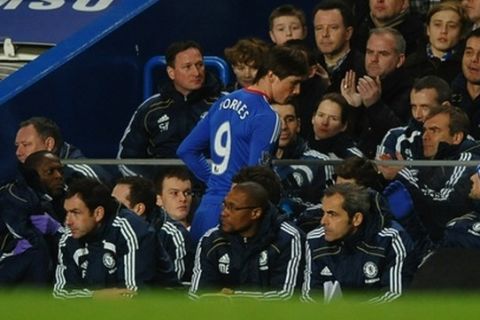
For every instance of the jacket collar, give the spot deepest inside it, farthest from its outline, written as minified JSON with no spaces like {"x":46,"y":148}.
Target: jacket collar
{"x":210,"y":89}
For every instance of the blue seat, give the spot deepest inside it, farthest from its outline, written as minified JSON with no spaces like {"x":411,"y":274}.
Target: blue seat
{"x":215,"y":63}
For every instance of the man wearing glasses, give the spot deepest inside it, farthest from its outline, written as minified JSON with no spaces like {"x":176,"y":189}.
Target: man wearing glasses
{"x":254,"y":252}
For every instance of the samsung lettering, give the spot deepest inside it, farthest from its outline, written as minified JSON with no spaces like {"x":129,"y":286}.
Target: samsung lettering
{"x":78,"y":5}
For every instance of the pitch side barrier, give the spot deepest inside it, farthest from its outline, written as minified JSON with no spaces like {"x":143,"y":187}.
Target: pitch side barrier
{"x":170,"y":162}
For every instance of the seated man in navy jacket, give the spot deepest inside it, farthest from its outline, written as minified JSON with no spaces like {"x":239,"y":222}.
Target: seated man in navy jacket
{"x":43,"y":134}
{"x":356,"y":248}
{"x":254,"y":252}
{"x":104,"y":252}
{"x":440,"y":193}
{"x":303,"y":182}
{"x":24,"y":257}
{"x":138,"y":195}
{"x":161,"y":122}
{"x":464,"y":231}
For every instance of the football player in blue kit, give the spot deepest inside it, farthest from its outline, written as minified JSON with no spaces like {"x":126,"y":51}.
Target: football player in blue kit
{"x":240,"y":129}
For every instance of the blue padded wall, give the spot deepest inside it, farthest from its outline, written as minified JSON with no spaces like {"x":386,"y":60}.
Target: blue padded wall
{"x":91,"y":82}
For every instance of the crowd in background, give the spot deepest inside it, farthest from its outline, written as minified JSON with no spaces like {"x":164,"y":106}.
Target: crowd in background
{"x":385,"y":80}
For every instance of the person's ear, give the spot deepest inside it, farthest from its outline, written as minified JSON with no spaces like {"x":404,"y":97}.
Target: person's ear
{"x":349,"y":33}
{"x":357,"y":219}
{"x":99,"y":213}
{"x":50,"y":143}
{"x":139,"y":208}
{"x":458,"y":138}
{"x":270,"y":76}
{"x":159,"y":200}
{"x":171,"y":73}
{"x":256,"y":213}
{"x":401,"y":60}
{"x":272,"y":37}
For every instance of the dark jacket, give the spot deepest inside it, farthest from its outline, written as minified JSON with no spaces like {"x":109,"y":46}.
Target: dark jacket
{"x":462,"y":99}
{"x":440,"y":193}
{"x":405,"y":140}
{"x":369,"y":125}
{"x":119,"y":254}
{"x":176,"y":240}
{"x":340,"y":146}
{"x":75,"y":171}
{"x":411,"y":28}
{"x":161,"y":122}
{"x":17,"y":203}
{"x":419,"y":64}
{"x":376,"y":257}
{"x":304,"y":181}
{"x":354,"y":61}
{"x":264,"y":266}
{"x":31,"y":266}
{"x":463,"y":232}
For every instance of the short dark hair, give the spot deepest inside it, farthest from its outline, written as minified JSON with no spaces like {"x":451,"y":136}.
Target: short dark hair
{"x":441,"y":87}
{"x":302,"y":44}
{"x":295,"y":103}
{"x":29,"y":169}
{"x":459,"y":121}
{"x":287,"y":10}
{"x":363,"y":170}
{"x":355,"y":198}
{"x":474,"y":34}
{"x":342,"y":7}
{"x":256,"y":194}
{"x":284,"y":61}
{"x":177,"y":47}
{"x":141,"y":191}
{"x":94,"y":194}
{"x":45,"y":128}
{"x":179,"y":172}
{"x":265,"y":177}
{"x":340,"y":100}
{"x":36,"y":158}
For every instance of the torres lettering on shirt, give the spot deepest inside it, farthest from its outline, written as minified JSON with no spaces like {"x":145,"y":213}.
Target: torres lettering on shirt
{"x":236,"y":105}
{"x":240,"y":130}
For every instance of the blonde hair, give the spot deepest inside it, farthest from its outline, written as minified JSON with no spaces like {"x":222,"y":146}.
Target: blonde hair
{"x":451,"y":5}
